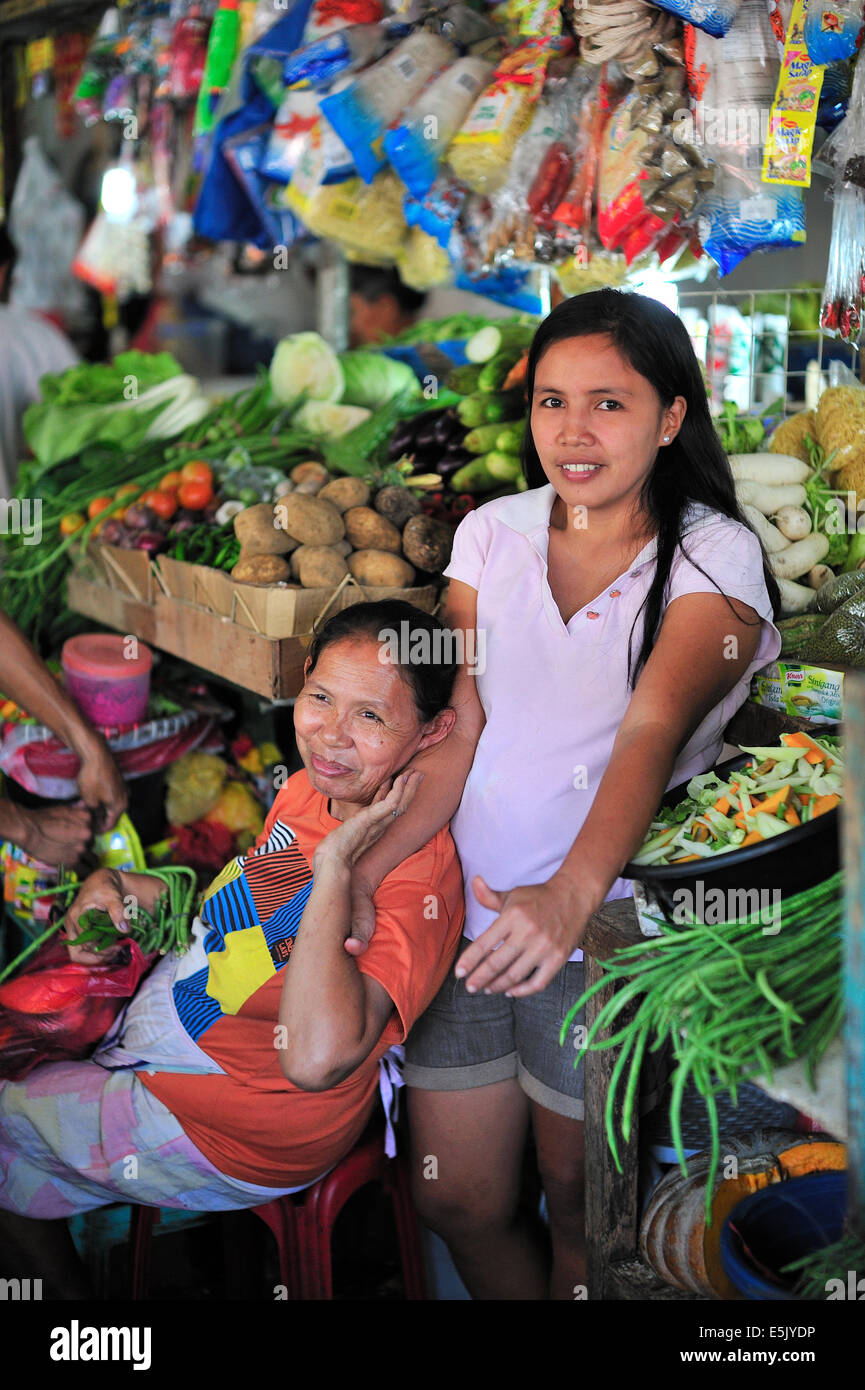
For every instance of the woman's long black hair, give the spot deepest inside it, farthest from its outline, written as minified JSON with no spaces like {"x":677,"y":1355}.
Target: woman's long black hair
{"x":694,"y":468}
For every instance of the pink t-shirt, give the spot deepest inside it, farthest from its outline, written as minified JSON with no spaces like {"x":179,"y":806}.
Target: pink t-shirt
{"x":555,"y":694}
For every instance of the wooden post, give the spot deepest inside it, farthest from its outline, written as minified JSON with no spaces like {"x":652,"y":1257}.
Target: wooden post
{"x":853,"y":823}
{"x":611,"y":1197}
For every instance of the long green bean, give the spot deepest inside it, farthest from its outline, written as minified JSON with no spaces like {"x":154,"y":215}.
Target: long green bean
{"x":733,"y":1001}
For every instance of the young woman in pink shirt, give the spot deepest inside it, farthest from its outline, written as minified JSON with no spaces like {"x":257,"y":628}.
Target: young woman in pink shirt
{"x":619,"y":608}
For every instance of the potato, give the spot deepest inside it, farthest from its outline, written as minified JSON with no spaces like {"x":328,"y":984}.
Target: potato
{"x":308,"y":473}
{"x":368,"y":531}
{"x":319,"y":567}
{"x":380,"y":569}
{"x":310,"y":520}
{"x":397,"y":504}
{"x":345,"y":493}
{"x":261,"y":569}
{"x":256,"y":529}
{"x":427,"y":543}
{"x":296,"y":556}
{"x":343,"y":547}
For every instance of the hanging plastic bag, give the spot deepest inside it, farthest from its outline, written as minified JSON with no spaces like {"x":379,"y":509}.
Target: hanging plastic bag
{"x":47,"y":225}
{"x":715,"y":17}
{"x":841,"y":311}
{"x":362,"y":112}
{"x":416,"y":144}
{"x":297,"y":115}
{"x":56,"y":1010}
{"x":832,"y":31}
{"x":367,"y":220}
{"x":320,"y":63}
{"x":437,"y":213}
{"x":741,"y":213}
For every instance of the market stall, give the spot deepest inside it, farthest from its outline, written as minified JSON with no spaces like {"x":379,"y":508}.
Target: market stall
{"x":521,"y":153}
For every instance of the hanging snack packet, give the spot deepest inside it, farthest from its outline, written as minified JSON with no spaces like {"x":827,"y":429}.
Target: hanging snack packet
{"x":332,"y":16}
{"x":715,"y":17}
{"x":438,"y":211}
{"x":362,"y":112}
{"x":832,"y":31}
{"x":736,"y":84}
{"x":323,"y":160}
{"x":365,"y":219}
{"x":319,"y":64}
{"x":422,"y":263}
{"x":483,"y":148}
{"x":416,"y":144}
{"x":296,"y":117}
{"x":790,"y":137}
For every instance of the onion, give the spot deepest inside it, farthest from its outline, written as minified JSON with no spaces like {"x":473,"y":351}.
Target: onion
{"x":140,"y":518}
{"x":113,"y":532}
{"x":151,"y":541}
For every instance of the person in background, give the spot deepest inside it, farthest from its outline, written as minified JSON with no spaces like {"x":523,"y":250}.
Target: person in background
{"x":56,"y":834}
{"x":380,"y":305}
{"x":30,"y":346}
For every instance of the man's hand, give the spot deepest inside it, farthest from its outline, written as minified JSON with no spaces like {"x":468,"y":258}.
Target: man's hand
{"x":102,"y":891}
{"x":102,"y":788}
{"x":538,"y":928}
{"x":56,"y":835}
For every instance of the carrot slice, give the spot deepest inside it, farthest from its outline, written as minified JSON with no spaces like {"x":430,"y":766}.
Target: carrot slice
{"x":791,"y":817}
{"x":769,"y":805}
{"x":686,"y":859}
{"x":815,"y":753}
{"x":751,"y":839}
{"x":824,"y":803}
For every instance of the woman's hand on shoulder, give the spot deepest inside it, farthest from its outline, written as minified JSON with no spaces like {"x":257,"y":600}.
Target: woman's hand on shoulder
{"x":344,"y":846}
{"x":538,"y":928}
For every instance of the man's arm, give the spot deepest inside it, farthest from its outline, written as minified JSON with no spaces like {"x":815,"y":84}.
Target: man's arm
{"x":25,"y":678}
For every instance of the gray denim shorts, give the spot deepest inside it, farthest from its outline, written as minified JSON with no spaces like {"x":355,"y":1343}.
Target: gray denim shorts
{"x":468,"y":1040}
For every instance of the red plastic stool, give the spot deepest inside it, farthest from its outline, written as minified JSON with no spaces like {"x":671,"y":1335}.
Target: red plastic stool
{"x":303,"y":1223}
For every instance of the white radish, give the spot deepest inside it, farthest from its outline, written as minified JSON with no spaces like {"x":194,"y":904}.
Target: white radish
{"x":771,"y":537}
{"x":772,"y":469}
{"x":794,"y":523}
{"x":799,"y":557}
{"x":770,"y":499}
{"x":819,"y":575}
{"x":795,"y":598}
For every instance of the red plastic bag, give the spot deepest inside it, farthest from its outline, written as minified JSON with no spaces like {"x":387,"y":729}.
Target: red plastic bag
{"x":57,"y":1010}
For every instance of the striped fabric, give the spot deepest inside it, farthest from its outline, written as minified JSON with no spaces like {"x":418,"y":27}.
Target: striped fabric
{"x":251,"y":913}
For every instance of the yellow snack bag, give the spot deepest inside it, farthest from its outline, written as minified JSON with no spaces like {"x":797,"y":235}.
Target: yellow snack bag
{"x":790,"y":137}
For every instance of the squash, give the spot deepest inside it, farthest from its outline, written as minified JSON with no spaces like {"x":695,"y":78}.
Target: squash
{"x":674,"y":1239}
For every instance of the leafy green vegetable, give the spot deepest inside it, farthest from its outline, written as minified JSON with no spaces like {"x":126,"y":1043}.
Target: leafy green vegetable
{"x":103,"y":383}
{"x":305,"y":367}
{"x":372,"y":379}
{"x":739,"y":434}
{"x":821,"y":501}
{"x":455,"y":326}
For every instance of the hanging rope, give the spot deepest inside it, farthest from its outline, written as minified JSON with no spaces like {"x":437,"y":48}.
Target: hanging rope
{"x":619,"y":30}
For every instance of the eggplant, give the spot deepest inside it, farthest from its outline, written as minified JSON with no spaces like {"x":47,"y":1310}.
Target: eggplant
{"x":447,"y":428}
{"x":401,"y":441}
{"x":140,"y":518}
{"x":428,"y":436}
{"x":452,"y":460}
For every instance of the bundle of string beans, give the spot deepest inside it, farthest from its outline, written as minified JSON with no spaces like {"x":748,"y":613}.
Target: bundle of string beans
{"x":165,"y":930}
{"x":734,"y":1001}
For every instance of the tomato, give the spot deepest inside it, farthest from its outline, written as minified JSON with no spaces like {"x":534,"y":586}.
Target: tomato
{"x":163,"y":503}
{"x":196,"y":471}
{"x":98,"y":505}
{"x":195,"y":496}
{"x":127,"y":490}
{"x":170,"y":483}
{"x":71,"y":522}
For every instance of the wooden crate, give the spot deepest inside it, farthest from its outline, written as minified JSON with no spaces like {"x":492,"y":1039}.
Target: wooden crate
{"x":274,"y":610}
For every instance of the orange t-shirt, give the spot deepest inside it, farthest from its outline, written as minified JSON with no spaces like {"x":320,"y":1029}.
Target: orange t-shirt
{"x":251,"y":1122}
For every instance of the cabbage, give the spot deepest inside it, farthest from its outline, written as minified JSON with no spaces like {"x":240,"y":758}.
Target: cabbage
{"x":304,"y":366}
{"x":372,"y":379}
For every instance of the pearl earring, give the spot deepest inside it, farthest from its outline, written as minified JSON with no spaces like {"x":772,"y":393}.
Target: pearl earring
{"x":666,"y":439}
